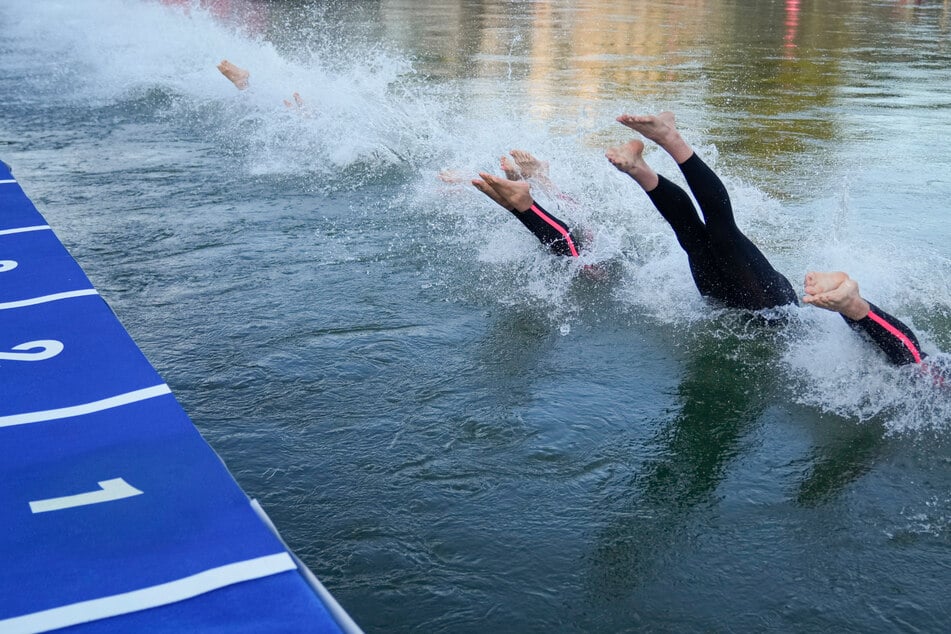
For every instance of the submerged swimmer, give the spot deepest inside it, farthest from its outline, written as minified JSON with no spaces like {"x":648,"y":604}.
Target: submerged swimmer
{"x":240,"y":77}
{"x":837,"y":292}
{"x":725,"y":264}
{"x":237,"y":75}
{"x":514,"y":194}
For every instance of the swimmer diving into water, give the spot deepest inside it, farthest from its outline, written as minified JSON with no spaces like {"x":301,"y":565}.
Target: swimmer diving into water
{"x":837,"y":292}
{"x":237,"y":75}
{"x":514,"y":194}
{"x":725,"y":264}
{"x":240,"y":77}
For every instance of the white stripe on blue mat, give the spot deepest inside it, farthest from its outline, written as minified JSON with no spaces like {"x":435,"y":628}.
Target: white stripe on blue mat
{"x":85,"y":408}
{"x":48,"y":298}
{"x":152,"y":597}
{"x":5,"y":232}
{"x":7,"y":181}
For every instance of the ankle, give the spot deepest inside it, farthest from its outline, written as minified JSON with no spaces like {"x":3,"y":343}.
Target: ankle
{"x":856,"y":309}
{"x":679,"y":151}
{"x":648,"y":181}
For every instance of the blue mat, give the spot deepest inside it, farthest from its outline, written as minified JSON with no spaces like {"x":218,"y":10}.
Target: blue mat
{"x":118,"y":516}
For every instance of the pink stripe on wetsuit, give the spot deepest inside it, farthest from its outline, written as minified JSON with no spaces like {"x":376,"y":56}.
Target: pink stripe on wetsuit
{"x":895,"y":339}
{"x":892,"y":330}
{"x":558,"y":226}
{"x":551,"y":231}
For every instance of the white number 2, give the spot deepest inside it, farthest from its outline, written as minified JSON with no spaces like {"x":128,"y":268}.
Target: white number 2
{"x":49,"y":349}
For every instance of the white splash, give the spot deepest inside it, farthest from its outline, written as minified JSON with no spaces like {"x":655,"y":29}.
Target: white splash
{"x":368,"y":116}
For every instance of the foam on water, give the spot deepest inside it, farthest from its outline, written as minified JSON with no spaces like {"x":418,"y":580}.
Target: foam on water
{"x":369,"y":116}
{"x":359,"y":108}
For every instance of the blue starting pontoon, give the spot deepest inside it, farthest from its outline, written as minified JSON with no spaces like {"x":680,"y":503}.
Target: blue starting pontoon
{"x":117,"y":515}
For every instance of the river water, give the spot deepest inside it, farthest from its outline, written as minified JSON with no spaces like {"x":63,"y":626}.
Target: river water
{"x":456,"y":431}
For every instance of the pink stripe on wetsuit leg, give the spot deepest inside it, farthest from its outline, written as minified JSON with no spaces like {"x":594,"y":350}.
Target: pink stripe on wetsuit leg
{"x":895,"y":332}
{"x":564,"y":233}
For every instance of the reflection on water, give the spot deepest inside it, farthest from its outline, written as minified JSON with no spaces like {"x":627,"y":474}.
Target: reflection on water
{"x":771,"y":73}
{"x":456,"y":431}
{"x":687,"y":461}
{"x":840,"y":462}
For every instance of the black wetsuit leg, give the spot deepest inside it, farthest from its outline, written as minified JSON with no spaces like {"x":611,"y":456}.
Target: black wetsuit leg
{"x":551,"y":231}
{"x":677,"y":209}
{"x":895,"y":339}
{"x":748,"y":279}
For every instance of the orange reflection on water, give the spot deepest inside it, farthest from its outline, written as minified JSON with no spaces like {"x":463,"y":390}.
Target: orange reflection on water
{"x":636,"y":55}
{"x":768,"y":75}
{"x":792,"y":27}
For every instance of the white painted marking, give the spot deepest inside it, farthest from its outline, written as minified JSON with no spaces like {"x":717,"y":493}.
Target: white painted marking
{"x":110,"y":490}
{"x":4,"y":182}
{"x":50,"y":348}
{"x":154,"y":596}
{"x":7,"y":265}
{"x":6,"y":232}
{"x":48,"y":298}
{"x":86,"y":408}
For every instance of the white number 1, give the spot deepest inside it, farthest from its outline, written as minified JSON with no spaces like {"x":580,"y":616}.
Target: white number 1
{"x":110,"y":490}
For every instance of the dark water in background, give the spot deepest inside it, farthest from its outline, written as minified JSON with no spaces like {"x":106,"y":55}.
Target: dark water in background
{"x":456,"y":432}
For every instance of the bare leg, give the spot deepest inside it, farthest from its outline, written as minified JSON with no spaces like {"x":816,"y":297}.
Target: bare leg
{"x":662,"y":130}
{"x":484,"y":187}
{"x":237,"y":75}
{"x":837,"y":292}
{"x":628,"y":158}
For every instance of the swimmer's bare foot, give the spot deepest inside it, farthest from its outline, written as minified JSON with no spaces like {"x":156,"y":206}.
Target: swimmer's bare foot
{"x":530,"y":166}
{"x":662,"y":130}
{"x":628,"y":158}
{"x":298,"y":102}
{"x":515,"y":193}
{"x":837,"y":292}
{"x":486,"y":189}
{"x":451,"y":177}
{"x":535,"y":170}
{"x":510,"y":169}
{"x":818,"y":282}
{"x":237,"y":75}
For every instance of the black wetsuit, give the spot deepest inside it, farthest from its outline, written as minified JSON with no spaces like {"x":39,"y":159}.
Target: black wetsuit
{"x":728,"y":267}
{"x":551,"y":231}
{"x":895,"y":339}
{"x":725,"y":265}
